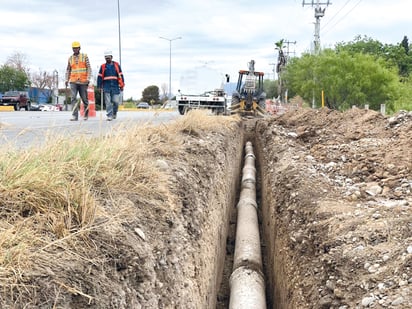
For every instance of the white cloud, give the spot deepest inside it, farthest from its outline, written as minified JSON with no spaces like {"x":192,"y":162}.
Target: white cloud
{"x":223,"y":35}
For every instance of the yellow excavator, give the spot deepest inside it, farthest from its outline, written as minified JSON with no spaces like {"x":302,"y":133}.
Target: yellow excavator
{"x":249,"y":99}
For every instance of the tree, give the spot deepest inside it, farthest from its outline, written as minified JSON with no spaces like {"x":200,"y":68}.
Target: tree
{"x":346,"y":79}
{"x":280,"y":67}
{"x":14,"y":73}
{"x":12,"y":79}
{"x":361,"y":45}
{"x":42,"y":80}
{"x":405,"y":44}
{"x":281,"y":57}
{"x":19,"y":62}
{"x":299,"y":76}
{"x":394,"y":55}
{"x":150,"y":94}
{"x":403,"y":101}
{"x":405,"y":63}
{"x":164,"y":91}
{"x":270,"y":88}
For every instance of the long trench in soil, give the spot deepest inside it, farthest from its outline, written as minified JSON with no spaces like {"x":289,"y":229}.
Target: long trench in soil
{"x":275,"y":295}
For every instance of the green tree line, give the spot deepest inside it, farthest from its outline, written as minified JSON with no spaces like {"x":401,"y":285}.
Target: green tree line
{"x":363,"y":71}
{"x":12,"y":79}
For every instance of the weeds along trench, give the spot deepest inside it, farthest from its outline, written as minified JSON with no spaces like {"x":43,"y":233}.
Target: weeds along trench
{"x":148,"y":220}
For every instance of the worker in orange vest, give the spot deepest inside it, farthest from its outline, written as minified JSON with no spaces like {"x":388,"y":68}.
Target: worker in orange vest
{"x":111,"y":81}
{"x":78,"y":74}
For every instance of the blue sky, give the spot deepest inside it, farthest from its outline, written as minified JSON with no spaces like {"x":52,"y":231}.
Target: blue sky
{"x":221,"y":35}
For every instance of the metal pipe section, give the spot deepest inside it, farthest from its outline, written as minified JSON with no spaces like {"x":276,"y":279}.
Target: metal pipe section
{"x":247,"y":285}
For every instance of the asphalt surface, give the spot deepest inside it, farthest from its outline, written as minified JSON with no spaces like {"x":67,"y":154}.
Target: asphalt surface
{"x":30,"y":128}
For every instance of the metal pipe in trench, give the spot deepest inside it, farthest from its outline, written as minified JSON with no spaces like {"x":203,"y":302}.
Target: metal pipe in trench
{"x":247,"y":284}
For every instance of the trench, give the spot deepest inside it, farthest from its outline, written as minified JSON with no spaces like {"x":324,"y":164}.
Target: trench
{"x":274,"y":295}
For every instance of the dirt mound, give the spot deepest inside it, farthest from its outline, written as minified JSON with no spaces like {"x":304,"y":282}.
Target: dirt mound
{"x":337,"y":195}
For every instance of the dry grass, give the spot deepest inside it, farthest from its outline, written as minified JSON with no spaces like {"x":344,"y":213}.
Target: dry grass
{"x":54,"y":199}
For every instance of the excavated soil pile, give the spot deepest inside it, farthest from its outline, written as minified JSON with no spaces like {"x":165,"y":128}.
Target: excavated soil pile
{"x":335,"y":207}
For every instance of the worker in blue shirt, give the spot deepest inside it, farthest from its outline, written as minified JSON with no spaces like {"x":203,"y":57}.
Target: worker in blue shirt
{"x":111,"y":81}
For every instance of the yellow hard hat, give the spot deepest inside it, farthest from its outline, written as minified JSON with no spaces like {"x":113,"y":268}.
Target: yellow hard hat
{"x":75,"y":44}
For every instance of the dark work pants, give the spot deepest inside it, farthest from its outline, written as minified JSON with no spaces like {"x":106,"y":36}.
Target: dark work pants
{"x":81,"y":89}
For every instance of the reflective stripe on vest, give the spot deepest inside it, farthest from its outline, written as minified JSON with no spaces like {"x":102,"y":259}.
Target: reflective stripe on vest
{"x":78,"y":69}
{"x":118,"y":77}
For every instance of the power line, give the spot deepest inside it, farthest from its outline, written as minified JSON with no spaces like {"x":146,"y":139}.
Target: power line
{"x":334,"y":25}
{"x":340,"y":10}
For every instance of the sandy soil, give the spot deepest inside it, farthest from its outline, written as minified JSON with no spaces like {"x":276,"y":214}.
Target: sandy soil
{"x":335,"y":195}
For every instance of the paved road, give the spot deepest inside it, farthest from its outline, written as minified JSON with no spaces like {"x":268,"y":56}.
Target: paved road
{"x":24,"y":129}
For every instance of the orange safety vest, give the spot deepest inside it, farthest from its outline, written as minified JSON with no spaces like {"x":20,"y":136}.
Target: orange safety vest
{"x":118,"y":77}
{"x":78,"y":66}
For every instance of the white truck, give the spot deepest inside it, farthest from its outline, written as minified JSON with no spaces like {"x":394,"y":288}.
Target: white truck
{"x":214,"y":100}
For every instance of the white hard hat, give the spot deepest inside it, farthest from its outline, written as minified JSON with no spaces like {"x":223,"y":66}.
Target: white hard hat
{"x":108,"y":53}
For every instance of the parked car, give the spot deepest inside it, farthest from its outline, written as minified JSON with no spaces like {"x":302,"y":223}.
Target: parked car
{"x":17,"y":99}
{"x":50,"y":107}
{"x":35,"y":107}
{"x":143,"y":105}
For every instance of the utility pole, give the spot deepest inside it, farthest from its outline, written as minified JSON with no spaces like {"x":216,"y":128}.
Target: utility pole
{"x":120,"y":43}
{"x":273,"y":70}
{"x":319,"y":12}
{"x":287,"y":49}
{"x":55,"y":94}
{"x":281,"y":63}
{"x":170,"y":64}
{"x":287,"y":42}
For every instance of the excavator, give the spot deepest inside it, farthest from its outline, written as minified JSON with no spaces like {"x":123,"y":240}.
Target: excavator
{"x":249,"y":99}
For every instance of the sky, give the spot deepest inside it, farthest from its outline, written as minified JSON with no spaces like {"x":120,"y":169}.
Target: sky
{"x":202,"y":40}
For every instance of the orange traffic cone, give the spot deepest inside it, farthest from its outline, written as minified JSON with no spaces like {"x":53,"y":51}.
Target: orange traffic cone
{"x":92,"y":103}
